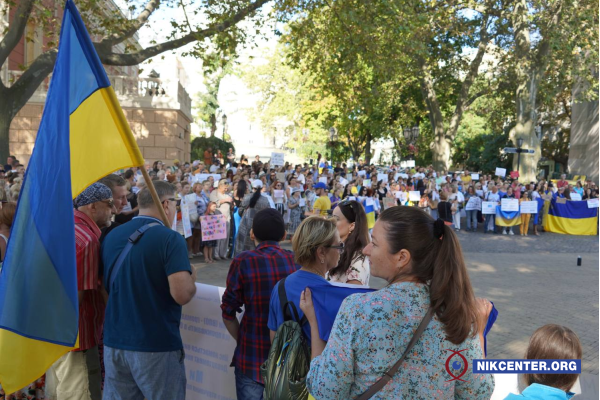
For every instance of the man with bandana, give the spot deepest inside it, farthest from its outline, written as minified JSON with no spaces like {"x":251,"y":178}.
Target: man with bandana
{"x":76,"y":375}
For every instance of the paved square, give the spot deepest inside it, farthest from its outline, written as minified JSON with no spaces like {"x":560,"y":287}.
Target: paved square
{"x":532,"y":280}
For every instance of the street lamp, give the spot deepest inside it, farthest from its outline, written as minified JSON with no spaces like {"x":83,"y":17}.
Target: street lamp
{"x":224,"y":125}
{"x":415,"y":133}
{"x":519,"y":146}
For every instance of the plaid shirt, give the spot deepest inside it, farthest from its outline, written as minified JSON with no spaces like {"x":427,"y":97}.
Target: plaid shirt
{"x":91,"y":307}
{"x":251,"y":279}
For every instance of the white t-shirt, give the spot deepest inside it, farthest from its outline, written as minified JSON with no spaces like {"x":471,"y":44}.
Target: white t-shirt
{"x":359,"y":270}
{"x":301,"y":178}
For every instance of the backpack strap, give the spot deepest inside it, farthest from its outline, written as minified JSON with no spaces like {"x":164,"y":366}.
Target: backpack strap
{"x":283,"y":300}
{"x":389,"y":374}
{"x":133,"y":239}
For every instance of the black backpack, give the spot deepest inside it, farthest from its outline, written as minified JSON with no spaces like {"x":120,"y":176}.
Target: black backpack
{"x":284,"y":372}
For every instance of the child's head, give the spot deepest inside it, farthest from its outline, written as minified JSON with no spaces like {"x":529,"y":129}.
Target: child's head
{"x":212,"y":206}
{"x":553,"y":342}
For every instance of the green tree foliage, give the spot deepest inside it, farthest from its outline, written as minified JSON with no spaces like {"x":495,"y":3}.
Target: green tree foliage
{"x":200,"y":144}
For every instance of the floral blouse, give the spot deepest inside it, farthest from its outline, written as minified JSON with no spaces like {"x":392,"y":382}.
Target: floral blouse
{"x":359,"y":270}
{"x":368,"y":337}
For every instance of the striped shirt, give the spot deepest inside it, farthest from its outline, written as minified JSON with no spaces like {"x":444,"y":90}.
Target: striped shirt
{"x":91,"y":307}
{"x":251,"y":279}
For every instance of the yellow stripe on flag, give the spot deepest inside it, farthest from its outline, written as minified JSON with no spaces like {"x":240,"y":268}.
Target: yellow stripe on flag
{"x":27,"y":358}
{"x":101,"y":140}
{"x":571,"y":226}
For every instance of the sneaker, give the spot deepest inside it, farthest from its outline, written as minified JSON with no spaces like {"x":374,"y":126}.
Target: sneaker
{"x":511,"y":233}
{"x":190,"y":255}
{"x":503,"y":232}
{"x":216,"y":258}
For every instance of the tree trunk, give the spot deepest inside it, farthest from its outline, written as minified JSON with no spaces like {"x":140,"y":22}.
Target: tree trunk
{"x":5,"y":120}
{"x":441,"y":151}
{"x":213,"y":125}
{"x":368,"y":149}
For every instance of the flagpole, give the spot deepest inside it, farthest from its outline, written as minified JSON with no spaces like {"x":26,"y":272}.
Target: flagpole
{"x":154,"y":195}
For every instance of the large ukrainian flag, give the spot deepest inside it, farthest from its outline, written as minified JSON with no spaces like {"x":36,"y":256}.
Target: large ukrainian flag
{"x":83,"y":136}
{"x":571,"y":218}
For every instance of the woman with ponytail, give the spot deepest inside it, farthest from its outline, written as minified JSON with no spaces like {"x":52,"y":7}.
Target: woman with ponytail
{"x":252,"y":203}
{"x":429,"y":288}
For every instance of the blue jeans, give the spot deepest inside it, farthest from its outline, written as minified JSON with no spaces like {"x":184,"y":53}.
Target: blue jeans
{"x":472,"y":219}
{"x":246,"y":388}
{"x":137,"y":375}
{"x":486,"y":225}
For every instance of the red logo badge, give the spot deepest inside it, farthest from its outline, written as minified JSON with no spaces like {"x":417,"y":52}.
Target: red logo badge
{"x":456,"y":365}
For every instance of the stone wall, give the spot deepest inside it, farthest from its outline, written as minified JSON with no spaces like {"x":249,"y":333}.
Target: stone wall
{"x":161,"y":134}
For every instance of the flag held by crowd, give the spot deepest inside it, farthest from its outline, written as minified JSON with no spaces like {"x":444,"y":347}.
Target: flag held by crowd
{"x":507,"y":218}
{"x":83,"y":136}
{"x":572,"y":218}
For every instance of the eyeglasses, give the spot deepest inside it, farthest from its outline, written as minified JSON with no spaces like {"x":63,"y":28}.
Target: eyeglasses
{"x":339,"y":247}
{"x":110,"y":203}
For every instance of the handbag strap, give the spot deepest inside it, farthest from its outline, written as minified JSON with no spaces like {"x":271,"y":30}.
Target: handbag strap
{"x":133,"y":239}
{"x":389,"y":374}
{"x":287,"y":305}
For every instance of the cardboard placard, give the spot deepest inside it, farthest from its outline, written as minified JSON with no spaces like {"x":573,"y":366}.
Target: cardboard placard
{"x":509,"y":204}
{"x":277,"y":159}
{"x":501,"y":172}
{"x":561,"y":200}
{"x":592,"y":203}
{"x":575,"y":196}
{"x":488,"y":207}
{"x":474,"y":203}
{"x":475,"y":177}
{"x":214,"y":227}
{"x":414,"y":195}
{"x":280,"y":176}
{"x":529,"y":207}
{"x":278,"y":194}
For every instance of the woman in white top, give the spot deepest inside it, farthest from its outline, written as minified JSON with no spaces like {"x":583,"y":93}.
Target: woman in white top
{"x":279,"y":197}
{"x":353,"y":266}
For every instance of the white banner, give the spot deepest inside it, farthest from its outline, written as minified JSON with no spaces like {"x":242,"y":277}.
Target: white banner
{"x":592,"y":203}
{"x":501,"y":172}
{"x":488,"y":207}
{"x":474,"y":203}
{"x":185,"y":218}
{"x":529,"y":207}
{"x":208,"y":347}
{"x":509,"y":204}
{"x":277,"y":159}
{"x":414,"y":195}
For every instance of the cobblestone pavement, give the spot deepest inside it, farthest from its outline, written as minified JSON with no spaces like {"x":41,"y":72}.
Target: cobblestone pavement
{"x":532,"y":281}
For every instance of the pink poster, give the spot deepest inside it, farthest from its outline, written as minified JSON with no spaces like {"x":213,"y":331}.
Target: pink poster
{"x":214,"y":227}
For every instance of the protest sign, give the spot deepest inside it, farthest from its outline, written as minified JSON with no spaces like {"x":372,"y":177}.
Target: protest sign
{"x":479,"y":193}
{"x":561,"y":200}
{"x":414,"y":195}
{"x":592,"y":203}
{"x":185,"y":219}
{"x":388,"y":202}
{"x":367,"y":184}
{"x":323,"y":179}
{"x":278,"y":194}
{"x":214,"y":227}
{"x":208,"y":346}
{"x":475,"y":177}
{"x":400,"y":175}
{"x":362,"y":173}
{"x":509,"y":204}
{"x":410,"y":163}
{"x":369,"y":201}
{"x":474,"y":203}
{"x":575,"y":196}
{"x":398,"y":194}
{"x":402,"y":164}
{"x":488,"y":207}
{"x":343,"y":181}
{"x":301,"y":202}
{"x":352,"y":198}
{"x":529,"y":207}
{"x":501,"y":172}
{"x":277,"y":159}
{"x":382,"y":177}
{"x":514,"y":174}
{"x":280,"y":176}
{"x":201,"y":177}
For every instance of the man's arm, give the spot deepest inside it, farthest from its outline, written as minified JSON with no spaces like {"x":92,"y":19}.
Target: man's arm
{"x":233,"y":327}
{"x":182,"y":286}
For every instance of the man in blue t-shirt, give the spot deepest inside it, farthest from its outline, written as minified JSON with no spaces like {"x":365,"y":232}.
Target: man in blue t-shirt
{"x":143,"y":351}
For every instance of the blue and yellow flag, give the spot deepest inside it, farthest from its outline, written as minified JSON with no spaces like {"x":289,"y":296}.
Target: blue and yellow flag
{"x":507,"y":218}
{"x":83,"y":136}
{"x":571,"y":218}
{"x":370,"y":211}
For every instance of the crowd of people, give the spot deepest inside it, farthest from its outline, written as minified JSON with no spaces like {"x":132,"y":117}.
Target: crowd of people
{"x":134,"y":275}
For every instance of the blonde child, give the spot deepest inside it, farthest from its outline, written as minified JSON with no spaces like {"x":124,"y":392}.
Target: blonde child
{"x":209,"y":245}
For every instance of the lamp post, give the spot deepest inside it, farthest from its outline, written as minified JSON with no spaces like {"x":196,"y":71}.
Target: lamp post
{"x":224,"y":125}
{"x":519,"y":149}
